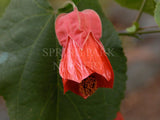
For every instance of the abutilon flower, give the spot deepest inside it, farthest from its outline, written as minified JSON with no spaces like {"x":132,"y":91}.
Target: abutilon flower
{"x":84,"y":66}
{"x":119,"y":116}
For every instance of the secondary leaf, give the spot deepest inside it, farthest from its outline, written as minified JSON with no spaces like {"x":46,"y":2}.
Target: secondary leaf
{"x":136,"y":4}
{"x":3,"y":5}
{"x":157,"y":13}
{"x":133,"y":28}
{"x":28,"y":57}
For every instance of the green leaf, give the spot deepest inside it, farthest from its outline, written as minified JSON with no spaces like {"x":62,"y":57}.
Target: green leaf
{"x":133,"y":28}
{"x":29,"y":80}
{"x":3,"y":5}
{"x":136,"y":4}
{"x":157,"y":13}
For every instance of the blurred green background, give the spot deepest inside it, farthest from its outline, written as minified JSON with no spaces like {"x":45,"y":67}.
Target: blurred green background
{"x":3,"y":5}
{"x":143,"y":92}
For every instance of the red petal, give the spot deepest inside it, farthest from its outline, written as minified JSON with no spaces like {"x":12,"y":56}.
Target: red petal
{"x":71,"y":66}
{"x":77,"y":64}
{"x":102,"y":82}
{"x":72,"y":86}
{"x":94,"y":57}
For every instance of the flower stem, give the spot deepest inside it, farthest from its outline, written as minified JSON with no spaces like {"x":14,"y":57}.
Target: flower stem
{"x":70,"y":2}
{"x":140,"y":11}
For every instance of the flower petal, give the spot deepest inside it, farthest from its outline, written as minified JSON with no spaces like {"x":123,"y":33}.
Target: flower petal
{"x":72,"y":86}
{"x":75,"y":87}
{"x":71,"y":65}
{"x":94,"y":57}
{"x":91,"y":23}
{"x":102,"y":82}
{"x":77,"y":64}
{"x":119,"y":116}
{"x":77,"y":25}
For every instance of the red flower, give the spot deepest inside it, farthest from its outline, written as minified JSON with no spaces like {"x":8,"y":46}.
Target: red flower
{"x":84,"y":66}
{"x":119,"y":116}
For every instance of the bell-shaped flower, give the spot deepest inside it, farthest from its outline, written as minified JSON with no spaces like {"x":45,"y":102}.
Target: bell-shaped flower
{"x":84,"y":66}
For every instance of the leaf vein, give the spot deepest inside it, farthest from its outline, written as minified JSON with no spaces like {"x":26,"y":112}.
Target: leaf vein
{"x":28,"y":57}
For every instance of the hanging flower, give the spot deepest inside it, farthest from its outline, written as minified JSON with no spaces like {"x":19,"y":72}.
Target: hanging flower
{"x":84,"y":66}
{"x":119,"y":116}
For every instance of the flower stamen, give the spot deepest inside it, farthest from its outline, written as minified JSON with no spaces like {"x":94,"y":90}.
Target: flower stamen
{"x":88,"y":86}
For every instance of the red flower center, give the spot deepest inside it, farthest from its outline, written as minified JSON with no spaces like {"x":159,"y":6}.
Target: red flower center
{"x":88,"y":86}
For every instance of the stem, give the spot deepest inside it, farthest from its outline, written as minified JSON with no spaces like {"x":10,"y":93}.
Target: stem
{"x":140,"y":33}
{"x":70,"y":2}
{"x":126,"y":34}
{"x":148,"y":32}
{"x":148,"y":27}
{"x":140,"y":11}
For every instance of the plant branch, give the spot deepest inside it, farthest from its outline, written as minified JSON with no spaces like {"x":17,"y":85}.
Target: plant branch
{"x":140,"y":11}
{"x":139,"y":33}
{"x":148,"y":32}
{"x":148,"y":27}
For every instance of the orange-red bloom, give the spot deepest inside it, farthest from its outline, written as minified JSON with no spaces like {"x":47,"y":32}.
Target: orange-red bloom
{"x":119,"y":116}
{"x":84,"y":66}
